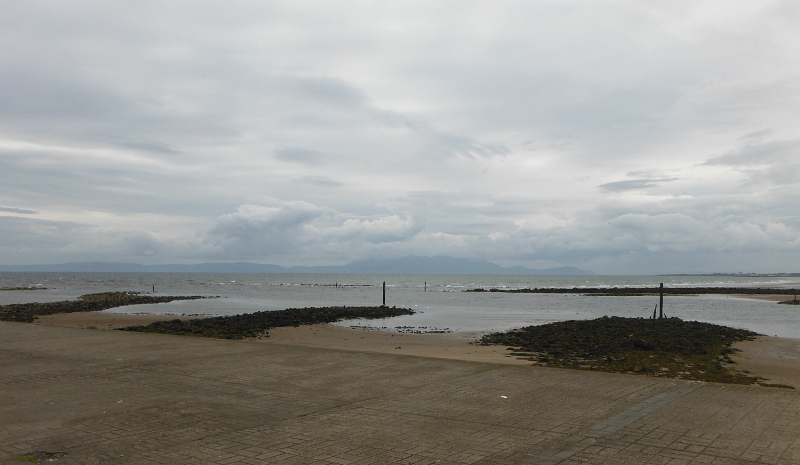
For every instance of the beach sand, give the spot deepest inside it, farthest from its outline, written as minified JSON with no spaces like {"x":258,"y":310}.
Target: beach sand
{"x":773,"y":358}
{"x":768,"y":297}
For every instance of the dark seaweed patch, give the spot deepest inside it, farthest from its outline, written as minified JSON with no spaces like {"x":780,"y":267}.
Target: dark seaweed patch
{"x":27,"y":313}
{"x":23,"y":288}
{"x":668,"y":347}
{"x":258,"y":323}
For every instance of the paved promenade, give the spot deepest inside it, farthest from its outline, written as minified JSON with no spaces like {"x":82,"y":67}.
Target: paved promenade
{"x":83,"y":396}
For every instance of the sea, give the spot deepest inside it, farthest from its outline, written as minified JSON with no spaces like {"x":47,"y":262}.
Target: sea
{"x":439,"y":300}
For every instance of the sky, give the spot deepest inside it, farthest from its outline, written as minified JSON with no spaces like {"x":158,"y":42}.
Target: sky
{"x":623,"y":137}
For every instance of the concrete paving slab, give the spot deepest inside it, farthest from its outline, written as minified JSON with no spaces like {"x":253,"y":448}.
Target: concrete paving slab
{"x":84,"y":396}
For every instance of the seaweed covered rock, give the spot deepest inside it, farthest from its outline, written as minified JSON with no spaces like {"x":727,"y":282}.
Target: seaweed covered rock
{"x":258,"y":323}
{"x":27,"y":313}
{"x":663,"y":347}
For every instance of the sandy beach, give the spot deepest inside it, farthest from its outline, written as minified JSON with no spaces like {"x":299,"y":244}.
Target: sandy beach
{"x":775,"y":359}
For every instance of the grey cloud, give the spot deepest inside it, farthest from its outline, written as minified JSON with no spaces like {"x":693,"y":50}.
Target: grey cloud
{"x":771,"y":162}
{"x":105,"y":182}
{"x":381,"y":230}
{"x":150,"y":146}
{"x":25,"y":232}
{"x":448,"y":144}
{"x":286,"y":227}
{"x":297,"y":155}
{"x":37,"y":93}
{"x":142,"y":244}
{"x":633,"y":184}
{"x":761,"y":133}
{"x":262,"y":230}
{"x":21,"y":211}
{"x":28,"y":240}
{"x":760,"y":153}
{"x":323,"y":89}
{"x":321,"y":181}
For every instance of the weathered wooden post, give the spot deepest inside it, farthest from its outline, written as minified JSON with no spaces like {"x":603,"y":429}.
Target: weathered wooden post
{"x":426,"y":289}
{"x":384,"y":294}
{"x":661,"y":302}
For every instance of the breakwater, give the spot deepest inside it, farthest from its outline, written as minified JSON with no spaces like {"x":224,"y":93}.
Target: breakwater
{"x":636,"y":291}
{"x":27,"y":313}
{"x":257,"y":324}
{"x":668,"y":347}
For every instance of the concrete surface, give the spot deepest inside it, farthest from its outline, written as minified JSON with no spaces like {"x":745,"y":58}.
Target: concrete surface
{"x":85,"y":396}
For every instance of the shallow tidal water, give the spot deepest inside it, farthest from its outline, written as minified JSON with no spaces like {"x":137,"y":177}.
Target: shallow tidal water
{"x":439,"y":300}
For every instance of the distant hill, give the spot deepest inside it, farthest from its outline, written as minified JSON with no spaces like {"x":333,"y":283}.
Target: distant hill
{"x":435,"y":265}
{"x":405,"y":265}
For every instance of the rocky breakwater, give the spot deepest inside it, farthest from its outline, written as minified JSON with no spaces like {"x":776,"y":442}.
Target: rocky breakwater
{"x":667,"y":347}
{"x":257,"y":324}
{"x":27,"y":313}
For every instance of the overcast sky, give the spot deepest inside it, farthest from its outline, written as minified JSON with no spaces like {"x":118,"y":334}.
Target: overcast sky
{"x":624,"y":137}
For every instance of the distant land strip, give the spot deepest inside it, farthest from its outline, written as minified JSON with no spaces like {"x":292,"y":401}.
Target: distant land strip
{"x":634,"y":291}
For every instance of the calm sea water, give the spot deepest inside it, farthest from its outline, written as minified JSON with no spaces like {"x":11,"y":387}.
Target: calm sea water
{"x":444,"y":306}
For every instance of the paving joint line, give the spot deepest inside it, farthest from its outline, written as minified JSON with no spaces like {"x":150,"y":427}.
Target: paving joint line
{"x":566,"y":448}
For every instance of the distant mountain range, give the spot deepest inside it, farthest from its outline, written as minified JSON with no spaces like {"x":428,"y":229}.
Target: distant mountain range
{"x":405,"y":265}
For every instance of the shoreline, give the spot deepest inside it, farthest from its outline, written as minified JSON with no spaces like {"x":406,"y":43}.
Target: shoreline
{"x":775,"y":359}
{"x":452,"y":346}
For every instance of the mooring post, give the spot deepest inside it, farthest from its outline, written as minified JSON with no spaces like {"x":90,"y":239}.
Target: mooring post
{"x":384,"y":293}
{"x":661,"y":302}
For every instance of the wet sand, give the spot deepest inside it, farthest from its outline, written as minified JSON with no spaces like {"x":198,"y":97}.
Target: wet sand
{"x":767,"y":297}
{"x":774,"y":358}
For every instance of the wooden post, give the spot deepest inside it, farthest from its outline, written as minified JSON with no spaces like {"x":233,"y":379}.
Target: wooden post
{"x":661,"y":302}
{"x":154,"y":287}
{"x":426,"y":289}
{"x":384,"y":294}
{"x":654,"y":311}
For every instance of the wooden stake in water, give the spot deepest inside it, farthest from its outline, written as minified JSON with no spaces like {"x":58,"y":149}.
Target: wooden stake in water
{"x":426,"y":288}
{"x":661,"y":302}
{"x":384,"y":294}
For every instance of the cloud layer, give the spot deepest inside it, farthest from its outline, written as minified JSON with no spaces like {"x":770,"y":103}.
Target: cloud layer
{"x":617,"y":136}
